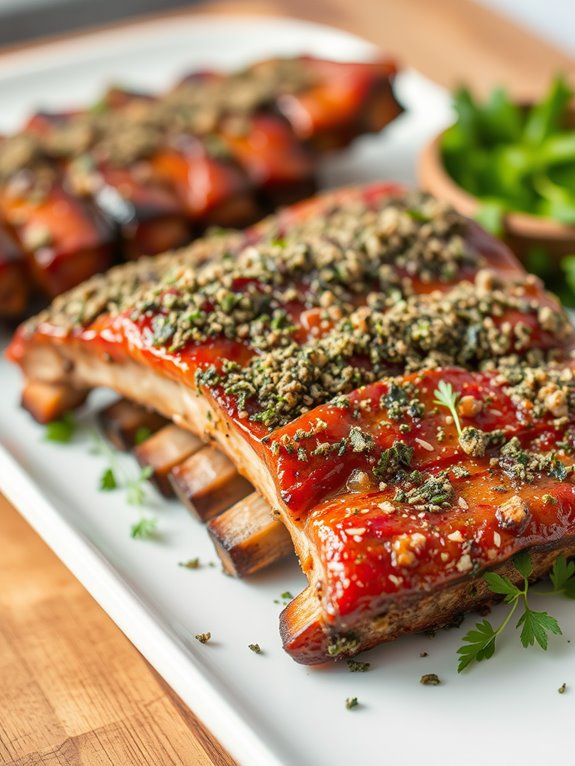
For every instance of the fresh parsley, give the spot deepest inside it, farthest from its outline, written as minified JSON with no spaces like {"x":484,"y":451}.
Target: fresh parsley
{"x":562,"y":577}
{"x":351,"y":702}
{"x":445,"y":396}
{"x":61,"y":430}
{"x":535,"y":627}
{"x":135,"y":486}
{"x":513,"y":157}
{"x":115,"y":476}
{"x":108,"y":480}
{"x":256,"y":648}
{"x":145,"y":528}
{"x":190,"y":563}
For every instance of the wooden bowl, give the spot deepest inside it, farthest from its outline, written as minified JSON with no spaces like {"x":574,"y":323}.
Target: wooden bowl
{"x":522,"y":232}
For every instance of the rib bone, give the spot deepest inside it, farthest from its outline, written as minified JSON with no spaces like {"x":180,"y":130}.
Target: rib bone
{"x":208,"y":483}
{"x":247,"y":537}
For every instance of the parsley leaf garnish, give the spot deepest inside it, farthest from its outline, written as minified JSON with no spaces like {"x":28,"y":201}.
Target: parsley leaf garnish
{"x":61,"y":430}
{"x":563,"y":577}
{"x":115,"y":476}
{"x":108,"y":480}
{"x":135,"y":486}
{"x":535,"y":627}
{"x":144,"y":528}
{"x":479,"y":645}
{"x":445,"y":396}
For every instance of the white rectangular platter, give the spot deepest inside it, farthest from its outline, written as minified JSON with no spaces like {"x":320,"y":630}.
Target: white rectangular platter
{"x":264,"y":708}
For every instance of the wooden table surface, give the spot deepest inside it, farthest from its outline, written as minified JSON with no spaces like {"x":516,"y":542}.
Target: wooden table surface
{"x":73,"y":689}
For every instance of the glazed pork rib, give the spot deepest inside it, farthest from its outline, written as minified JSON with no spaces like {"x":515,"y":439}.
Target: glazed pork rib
{"x":311,"y":349}
{"x":138,"y":174}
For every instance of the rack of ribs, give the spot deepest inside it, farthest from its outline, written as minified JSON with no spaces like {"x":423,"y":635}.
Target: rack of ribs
{"x":309,"y":350}
{"x":139,"y":174}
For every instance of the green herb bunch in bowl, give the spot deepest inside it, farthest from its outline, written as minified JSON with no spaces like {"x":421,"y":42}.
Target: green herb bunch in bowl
{"x":512,"y":167}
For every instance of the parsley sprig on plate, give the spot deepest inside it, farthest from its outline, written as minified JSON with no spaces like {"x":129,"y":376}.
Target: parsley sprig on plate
{"x":114,"y":476}
{"x":535,"y":627}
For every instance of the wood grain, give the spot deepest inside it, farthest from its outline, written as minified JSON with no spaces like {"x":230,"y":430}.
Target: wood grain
{"x":73,"y":690}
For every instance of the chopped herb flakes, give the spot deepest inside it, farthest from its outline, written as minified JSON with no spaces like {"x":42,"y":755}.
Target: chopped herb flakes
{"x":526,"y":465}
{"x":190,"y":563}
{"x":355,"y":666}
{"x":429,"y":493}
{"x":360,"y":441}
{"x":203,"y":638}
{"x":288,"y":381}
{"x":430,"y":679}
{"x":397,"y":456}
{"x":256,"y":648}
{"x":342,"y":645}
{"x":351,"y":702}
{"x":562,"y":689}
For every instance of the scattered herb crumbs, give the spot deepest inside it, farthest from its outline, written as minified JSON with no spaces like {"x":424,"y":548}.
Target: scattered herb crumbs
{"x":190,"y":563}
{"x":144,"y":528}
{"x":424,"y":654}
{"x":203,"y":638}
{"x":286,"y":595}
{"x":351,"y":702}
{"x":394,"y":457}
{"x":430,"y":679}
{"x":136,"y":492}
{"x":562,"y":689}
{"x":256,"y":648}
{"x":108,"y":481}
{"x":342,"y":645}
{"x":355,"y":666}
{"x":61,"y":430}
{"x":142,"y":434}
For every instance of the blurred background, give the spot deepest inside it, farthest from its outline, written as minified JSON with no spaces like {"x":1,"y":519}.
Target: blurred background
{"x":26,"y":20}
{"x":22,"y":20}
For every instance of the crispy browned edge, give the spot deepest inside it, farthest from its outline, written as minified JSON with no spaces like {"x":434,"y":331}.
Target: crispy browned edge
{"x":307,"y":638}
